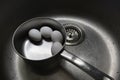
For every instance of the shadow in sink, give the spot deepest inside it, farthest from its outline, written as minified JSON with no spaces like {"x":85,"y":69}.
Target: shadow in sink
{"x":99,"y":39}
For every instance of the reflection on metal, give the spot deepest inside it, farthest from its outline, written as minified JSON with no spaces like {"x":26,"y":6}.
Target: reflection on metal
{"x":17,"y":69}
{"x":37,"y":52}
{"x":75,"y":60}
{"x":107,"y":38}
{"x":89,"y":69}
{"x":75,"y":34}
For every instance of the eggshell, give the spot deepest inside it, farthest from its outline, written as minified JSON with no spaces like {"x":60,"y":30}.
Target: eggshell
{"x":56,"y":48}
{"x":57,"y":36}
{"x":46,"y":31}
{"x":35,"y":35}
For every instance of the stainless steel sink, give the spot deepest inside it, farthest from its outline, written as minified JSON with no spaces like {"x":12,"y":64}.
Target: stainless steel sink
{"x":98,"y":45}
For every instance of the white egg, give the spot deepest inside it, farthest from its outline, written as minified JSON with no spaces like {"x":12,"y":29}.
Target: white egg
{"x":56,"y":36}
{"x":46,"y":31}
{"x":35,"y":35}
{"x":56,"y":48}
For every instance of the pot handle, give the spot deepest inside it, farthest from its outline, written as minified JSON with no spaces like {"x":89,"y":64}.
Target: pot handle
{"x":89,"y":69}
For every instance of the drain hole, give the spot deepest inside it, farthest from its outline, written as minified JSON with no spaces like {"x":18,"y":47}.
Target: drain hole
{"x":74,"y":34}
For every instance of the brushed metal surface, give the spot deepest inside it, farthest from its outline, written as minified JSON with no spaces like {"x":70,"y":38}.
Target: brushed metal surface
{"x":99,"y":19}
{"x":97,"y":49}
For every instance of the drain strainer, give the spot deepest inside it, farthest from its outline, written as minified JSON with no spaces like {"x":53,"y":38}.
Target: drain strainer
{"x":74,"y":34}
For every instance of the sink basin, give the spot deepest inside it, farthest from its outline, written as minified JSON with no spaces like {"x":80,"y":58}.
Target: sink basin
{"x":99,"y":21}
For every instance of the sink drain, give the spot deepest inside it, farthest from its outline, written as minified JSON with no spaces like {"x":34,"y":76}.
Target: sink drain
{"x":74,"y":34}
